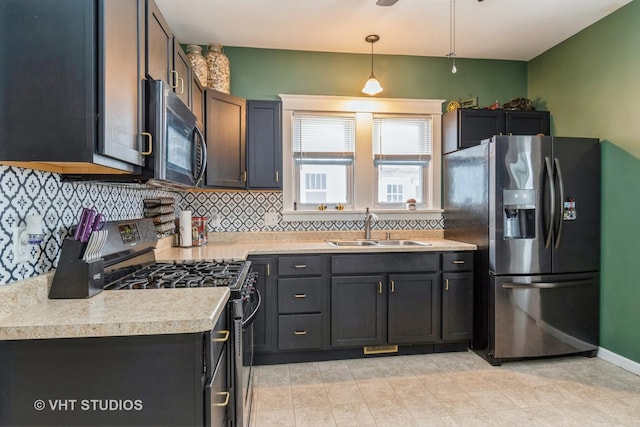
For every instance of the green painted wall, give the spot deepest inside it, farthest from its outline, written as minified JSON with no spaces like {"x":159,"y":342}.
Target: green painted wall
{"x":591,"y":83}
{"x":264,"y":73}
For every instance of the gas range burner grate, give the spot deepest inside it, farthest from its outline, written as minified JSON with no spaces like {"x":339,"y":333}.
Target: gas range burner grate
{"x":179,"y":274}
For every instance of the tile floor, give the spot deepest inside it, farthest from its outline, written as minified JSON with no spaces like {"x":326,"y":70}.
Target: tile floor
{"x":446,"y":389}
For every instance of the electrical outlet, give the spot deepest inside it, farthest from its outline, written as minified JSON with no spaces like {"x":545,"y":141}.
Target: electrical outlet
{"x":215,"y":220}
{"x":270,"y":219}
{"x":20,"y":248}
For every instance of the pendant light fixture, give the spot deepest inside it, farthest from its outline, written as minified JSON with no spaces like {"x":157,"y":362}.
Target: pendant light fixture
{"x":452,"y":35}
{"x":372,"y":86}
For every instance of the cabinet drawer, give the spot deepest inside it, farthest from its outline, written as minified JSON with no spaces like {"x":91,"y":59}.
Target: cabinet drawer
{"x":220,"y":336}
{"x":407,"y":262}
{"x":217,"y":395}
{"x":300,"y":295}
{"x":299,"y":265}
{"x":299,"y":331}
{"x":457,"y":261}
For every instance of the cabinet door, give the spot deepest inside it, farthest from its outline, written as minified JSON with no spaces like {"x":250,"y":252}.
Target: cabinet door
{"x":264,"y":144}
{"x":197,"y":101}
{"x":527,"y":122}
{"x":182,"y":74}
{"x":159,"y":52}
{"x":468,"y":127}
{"x":413,"y":316}
{"x":120,"y":107}
{"x":263,"y":325}
{"x":457,"y":306}
{"x":358,"y":315}
{"x":225,"y":137}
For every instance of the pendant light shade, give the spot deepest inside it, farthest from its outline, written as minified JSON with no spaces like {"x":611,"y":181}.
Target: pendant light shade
{"x":372,"y":86}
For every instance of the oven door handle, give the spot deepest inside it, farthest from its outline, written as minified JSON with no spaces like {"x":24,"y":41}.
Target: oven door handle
{"x":246,"y":322}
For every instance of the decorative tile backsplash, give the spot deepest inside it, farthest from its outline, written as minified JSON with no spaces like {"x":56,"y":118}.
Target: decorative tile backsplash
{"x":244,"y":211}
{"x":26,"y":192}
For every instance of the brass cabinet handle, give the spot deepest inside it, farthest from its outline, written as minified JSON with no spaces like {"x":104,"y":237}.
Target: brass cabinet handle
{"x":300,"y":295}
{"x":379,"y":287}
{"x":244,"y":176}
{"x":225,"y":337}
{"x":446,"y":284}
{"x":226,"y":399}
{"x":175,"y":79}
{"x":150,"y":137}
{"x":393,"y":286}
{"x":300,"y":332}
{"x":300,"y":266}
{"x":181,"y":91}
{"x":277,"y":176}
{"x":457,"y":261}
{"x":268,"y":269}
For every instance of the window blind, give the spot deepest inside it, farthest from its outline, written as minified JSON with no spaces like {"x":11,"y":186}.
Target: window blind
{"x":405,"y":137}
{"x":332,"y":135}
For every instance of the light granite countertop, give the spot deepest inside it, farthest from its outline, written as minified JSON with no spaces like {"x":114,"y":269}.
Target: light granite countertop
{"x":241,"y":245}
{"x":27,"y":313}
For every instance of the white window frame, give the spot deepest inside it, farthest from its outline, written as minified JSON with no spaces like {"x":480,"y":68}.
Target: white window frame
{"x":364,"y":192}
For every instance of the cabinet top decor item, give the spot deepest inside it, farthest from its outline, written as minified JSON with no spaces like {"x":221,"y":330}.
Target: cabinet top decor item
{"x":219,"y":76}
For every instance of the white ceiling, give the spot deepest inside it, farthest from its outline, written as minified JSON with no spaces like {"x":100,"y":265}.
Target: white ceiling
{"x":491,"y":29}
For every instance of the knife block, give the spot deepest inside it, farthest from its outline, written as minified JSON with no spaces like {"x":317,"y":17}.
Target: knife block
{"x":75,"y":278}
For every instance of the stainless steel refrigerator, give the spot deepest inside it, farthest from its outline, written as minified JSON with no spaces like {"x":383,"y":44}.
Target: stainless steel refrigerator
{"x":532,"y":205}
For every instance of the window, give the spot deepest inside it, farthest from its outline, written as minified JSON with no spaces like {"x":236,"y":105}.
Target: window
{"x":348,"y":153}
{"x":402,"y":151}
{"x":323,"y":154}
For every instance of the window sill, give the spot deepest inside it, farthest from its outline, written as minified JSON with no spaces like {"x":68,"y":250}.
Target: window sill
{"x":386,"y":215}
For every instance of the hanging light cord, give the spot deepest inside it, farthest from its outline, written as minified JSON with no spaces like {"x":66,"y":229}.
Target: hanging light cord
{"x":452,"y":28}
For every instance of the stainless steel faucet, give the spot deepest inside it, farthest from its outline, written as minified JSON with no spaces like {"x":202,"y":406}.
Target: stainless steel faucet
{"x":368,"y":218}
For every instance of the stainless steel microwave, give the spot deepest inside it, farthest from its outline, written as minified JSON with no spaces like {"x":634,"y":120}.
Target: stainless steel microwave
{"x":174,"y":147}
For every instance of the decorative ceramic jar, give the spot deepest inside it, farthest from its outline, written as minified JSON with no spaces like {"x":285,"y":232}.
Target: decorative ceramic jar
{"x":219,"y":77}
{"x":198,"y":63}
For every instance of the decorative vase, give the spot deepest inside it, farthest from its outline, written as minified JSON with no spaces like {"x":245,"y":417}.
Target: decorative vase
{"x":219,"y":77}
{"x":198,"y":63}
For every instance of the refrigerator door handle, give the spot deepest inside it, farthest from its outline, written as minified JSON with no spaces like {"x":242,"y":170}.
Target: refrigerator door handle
{"x":545,"y":285}
{"x":552,"y":194}
{"x":560,"y":211}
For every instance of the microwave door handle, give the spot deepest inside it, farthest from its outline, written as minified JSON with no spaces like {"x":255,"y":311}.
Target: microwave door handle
{"x":197,"y":135}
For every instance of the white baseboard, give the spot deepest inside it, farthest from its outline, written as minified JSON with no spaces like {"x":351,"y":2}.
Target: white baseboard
{"x":618,"y":360}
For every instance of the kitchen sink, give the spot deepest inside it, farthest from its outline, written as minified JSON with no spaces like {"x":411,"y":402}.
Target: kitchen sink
{"x":356,"y":243}
{"x":352,"y":242}
{"x":401,"y":243}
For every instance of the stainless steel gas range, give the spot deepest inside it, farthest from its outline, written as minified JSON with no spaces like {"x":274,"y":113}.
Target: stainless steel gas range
{"x":244,"y":304}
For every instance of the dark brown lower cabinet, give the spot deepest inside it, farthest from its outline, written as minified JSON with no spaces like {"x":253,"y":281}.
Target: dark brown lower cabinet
{"x":457,"y":306}
{"x":358,"y":315}
{"x":412,"y":313}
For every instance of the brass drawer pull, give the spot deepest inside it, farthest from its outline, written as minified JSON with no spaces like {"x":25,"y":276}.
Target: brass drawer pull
{"x":225,"y":337}
{"x":300,"y":332}
{"x":226,"y":399}
{"x":393,"y":286}
{"x":446,"y":284}
{"x":458,"y":261}
{"x":300,"y":266}
{"x":379,"y":287}
{"x":150,"y":137}
{"x":300,"y":295}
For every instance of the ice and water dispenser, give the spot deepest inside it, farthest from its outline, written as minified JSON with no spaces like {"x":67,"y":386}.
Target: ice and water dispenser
{"x":519,"y":214}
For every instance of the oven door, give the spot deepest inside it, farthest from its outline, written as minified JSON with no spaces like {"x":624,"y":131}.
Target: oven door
{"x":243,"y":371}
